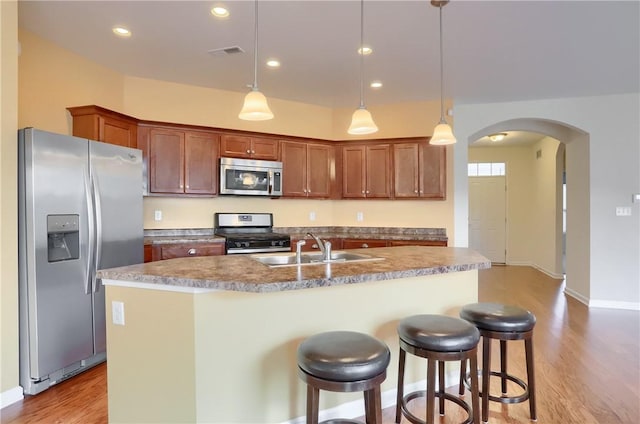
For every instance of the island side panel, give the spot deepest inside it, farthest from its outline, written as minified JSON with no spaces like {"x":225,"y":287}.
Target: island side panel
{"x":246,"y":342}
{"x":151,"y":365}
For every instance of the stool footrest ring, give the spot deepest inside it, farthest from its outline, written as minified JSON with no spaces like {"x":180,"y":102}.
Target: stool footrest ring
{"x":422,"y":393}
{"x":504,"y":398}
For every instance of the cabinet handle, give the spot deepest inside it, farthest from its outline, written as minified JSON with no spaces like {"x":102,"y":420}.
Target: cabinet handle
{"x":362,"y":191}
{"x":365,"y":245}
{"x":253,"y":151}
{"x":191,"y":252}
{"x":248,"y":151}
{"x":368,"y":192}
{"x":187,"y":186}
{"x":415,"y":191}
{"x":314,"y":245}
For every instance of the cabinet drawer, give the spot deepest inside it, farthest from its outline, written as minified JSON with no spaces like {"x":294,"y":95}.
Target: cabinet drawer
{"x":183,"y":251}
{"x":362,"y":243}
{"x":393,"y":243}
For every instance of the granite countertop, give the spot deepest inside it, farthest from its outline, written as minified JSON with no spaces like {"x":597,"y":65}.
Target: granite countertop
{"x":242,"y":273}
{"x":206,"y":235}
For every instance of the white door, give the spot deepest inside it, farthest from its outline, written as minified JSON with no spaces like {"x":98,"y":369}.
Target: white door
{"x":487,"y":217}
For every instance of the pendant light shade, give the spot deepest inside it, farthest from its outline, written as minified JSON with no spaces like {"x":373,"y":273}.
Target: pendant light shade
{"x":255,"y":106}
{"x":361,"y":121}
{"x":442,"y":133}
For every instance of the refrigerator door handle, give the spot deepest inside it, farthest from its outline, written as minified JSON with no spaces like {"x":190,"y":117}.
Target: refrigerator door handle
{"x":91,"y":230}
{"x":98,"y":244}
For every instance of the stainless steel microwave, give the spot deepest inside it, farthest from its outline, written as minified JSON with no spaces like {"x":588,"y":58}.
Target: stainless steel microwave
{"x":250,"y":177}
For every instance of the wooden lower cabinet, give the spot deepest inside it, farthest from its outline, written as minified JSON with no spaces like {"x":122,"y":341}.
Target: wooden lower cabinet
{"x":148,"y":255}
{"x":185,"y":250}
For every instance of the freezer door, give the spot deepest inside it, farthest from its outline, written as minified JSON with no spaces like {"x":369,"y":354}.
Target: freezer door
{"x":55,"y":298}
{"x":116,"y":180}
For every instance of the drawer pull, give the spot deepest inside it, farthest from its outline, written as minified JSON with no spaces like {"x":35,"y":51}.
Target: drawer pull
{"x":191,"y":252}
{"x":365,"y":245}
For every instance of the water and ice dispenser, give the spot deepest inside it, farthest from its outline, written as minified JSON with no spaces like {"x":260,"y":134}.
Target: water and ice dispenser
{"x":63,"y":237}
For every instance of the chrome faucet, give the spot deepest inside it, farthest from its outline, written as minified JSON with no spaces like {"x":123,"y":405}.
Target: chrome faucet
{"x":299,"y":245}
{"x":324,"y":246}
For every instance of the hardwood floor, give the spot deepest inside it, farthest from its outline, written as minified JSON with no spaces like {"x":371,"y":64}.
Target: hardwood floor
{"x":587,"y":364}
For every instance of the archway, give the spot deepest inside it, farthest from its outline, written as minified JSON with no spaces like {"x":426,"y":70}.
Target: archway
{"x":575,"y":143}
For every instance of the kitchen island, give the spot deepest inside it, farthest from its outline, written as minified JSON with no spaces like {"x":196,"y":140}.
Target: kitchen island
{"x":214,"y":339}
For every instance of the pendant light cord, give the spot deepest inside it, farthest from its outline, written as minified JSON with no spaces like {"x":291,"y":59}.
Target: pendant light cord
{"x":442,"y":121}
{"x":255,"y":51}
{"x":361,"y":54}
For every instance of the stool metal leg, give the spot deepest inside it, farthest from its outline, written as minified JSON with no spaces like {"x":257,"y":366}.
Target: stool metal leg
{"x":528,"y":347}
{"x":473,"y":365}
{"x":313,"y":401}
{"x":431,"y":389}
{"x":373,"y":406}
{"x":402,"y":355}
{"x":463,"y":373}
{"x":486,"y":364}
{"x":503,"y":366}
{"x":441,"y":385}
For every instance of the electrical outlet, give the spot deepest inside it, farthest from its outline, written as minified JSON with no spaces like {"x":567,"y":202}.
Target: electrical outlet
{"x":359,"y":216}
{"x":635,"y":198}
{"x":157,"y":215}
{"x":312,"y":216}
{"x":117,"y":312}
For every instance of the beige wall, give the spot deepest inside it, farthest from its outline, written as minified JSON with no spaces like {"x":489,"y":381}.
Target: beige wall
{"x":8,"y":196}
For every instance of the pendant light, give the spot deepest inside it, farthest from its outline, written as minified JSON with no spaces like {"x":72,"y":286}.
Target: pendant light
{"x":255,"y":106}
{"x":361,"y":121}
{"x":442,"y":134}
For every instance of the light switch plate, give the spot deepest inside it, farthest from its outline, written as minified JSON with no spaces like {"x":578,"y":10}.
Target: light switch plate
{"x":359,"y":216}
{"x":623,"y":211}
{"x":157,"y":215}
{"x":312,"y":216}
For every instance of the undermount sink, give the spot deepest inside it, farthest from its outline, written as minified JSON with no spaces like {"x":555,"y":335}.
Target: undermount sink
{"x":311,"y":258}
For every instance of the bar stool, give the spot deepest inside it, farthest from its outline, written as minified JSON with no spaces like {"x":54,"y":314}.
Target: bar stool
{"x":343,"y":361}
{"x":438,"y":339}
{"x":502,"y":322}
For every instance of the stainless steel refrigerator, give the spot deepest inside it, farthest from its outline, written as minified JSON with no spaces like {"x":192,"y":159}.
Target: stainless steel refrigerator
{"x":79,"y":210}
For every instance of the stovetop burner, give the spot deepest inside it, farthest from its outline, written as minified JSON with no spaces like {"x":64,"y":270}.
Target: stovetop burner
{"x":250,"y":233}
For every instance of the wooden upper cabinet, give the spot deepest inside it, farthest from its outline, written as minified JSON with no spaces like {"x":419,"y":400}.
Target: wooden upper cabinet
{"x":96,"y":123}
{"x":240,"y":146}
{"x":182,"y":162}
{"x":166,"y":161}
{"x":419,"y":170}
{"x":366,"y":171}
{"x":306,"y":169}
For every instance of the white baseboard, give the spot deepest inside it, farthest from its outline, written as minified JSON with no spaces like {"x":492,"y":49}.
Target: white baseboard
{"x":605,"y":304}
{"x":354,"y":409}
{"x":11,"y":396}
{"x":614,"y":304}
{"x":539,"y":268}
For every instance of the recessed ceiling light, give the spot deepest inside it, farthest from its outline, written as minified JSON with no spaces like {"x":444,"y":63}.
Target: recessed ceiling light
{"x":273,"y":63}
{"x":376,"y":84}
{"x":220,"y":12}
{"x":365,"y":50}
{"x":121,"y":31}
{"x":497,"y":137}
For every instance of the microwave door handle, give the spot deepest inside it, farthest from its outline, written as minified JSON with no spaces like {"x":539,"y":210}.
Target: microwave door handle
{"x":270,"y":181}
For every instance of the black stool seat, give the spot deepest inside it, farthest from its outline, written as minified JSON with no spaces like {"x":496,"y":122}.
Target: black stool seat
{"x":438,"y":333}
{"x":343,"y":356}
{"x":438,"y":339}
{"x":343,"y":361}
{"x":498,"y":317}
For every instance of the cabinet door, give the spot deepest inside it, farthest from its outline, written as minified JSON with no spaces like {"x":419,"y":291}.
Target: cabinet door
{"x":148,"y":255}
{"x":406,"y":171}
{"x":362,"y":243}
{"x":264,"y":148}
{"x":294,"y":169}
{"x":201,"y":157}
{"x":166,"y":161}
{"x":235,"y":146}
{"x":433,"y":169}
{"x":115,"y":131}
{"x":378,"y":171}
{"x":320,"y":161}
{"x":353,"y":172}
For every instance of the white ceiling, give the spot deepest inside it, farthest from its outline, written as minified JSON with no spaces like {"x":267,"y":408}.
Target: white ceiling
{"x":494,"y":50}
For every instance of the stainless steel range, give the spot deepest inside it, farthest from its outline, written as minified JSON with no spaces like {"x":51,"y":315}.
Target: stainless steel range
{"x":250,"y":233}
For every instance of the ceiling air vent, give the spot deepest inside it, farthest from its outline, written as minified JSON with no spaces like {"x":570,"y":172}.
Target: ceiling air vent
{"x":225,"y":51}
